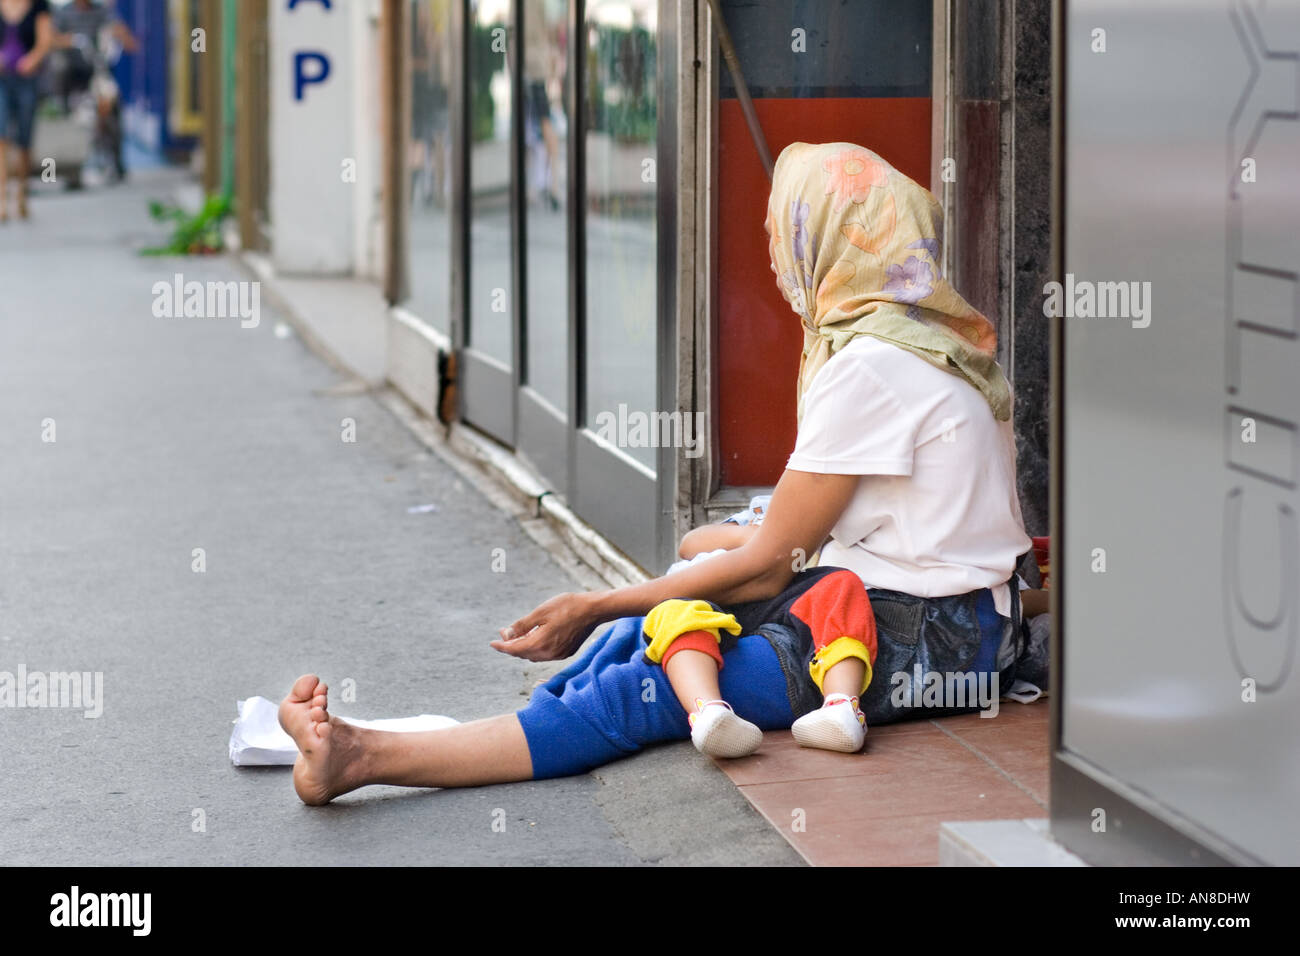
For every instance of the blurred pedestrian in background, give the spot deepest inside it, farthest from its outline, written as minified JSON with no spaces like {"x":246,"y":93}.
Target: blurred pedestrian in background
{"x":26,"y":35}
{"x":82,"y":31}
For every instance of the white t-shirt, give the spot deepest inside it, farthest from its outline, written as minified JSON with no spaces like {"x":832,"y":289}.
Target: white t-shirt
{"x":936,"y":510}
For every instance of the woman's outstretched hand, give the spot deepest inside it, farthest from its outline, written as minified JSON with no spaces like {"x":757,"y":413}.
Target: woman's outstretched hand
{"x":552,"y":631}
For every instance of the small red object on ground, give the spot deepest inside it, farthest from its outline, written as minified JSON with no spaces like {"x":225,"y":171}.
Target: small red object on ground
{"x":1043,"y":555}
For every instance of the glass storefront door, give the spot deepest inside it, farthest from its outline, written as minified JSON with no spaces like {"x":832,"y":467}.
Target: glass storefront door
{"x":559,"y":350}
{"x":488,"y":359}
{"x":567,"y":279}
{"x":620,"y":444}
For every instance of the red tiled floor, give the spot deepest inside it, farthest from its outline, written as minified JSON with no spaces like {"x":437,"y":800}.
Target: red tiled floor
{"x":883,"y":807}
{"x":905,"y":727}
{"x":1013,"y":748}
{"x":1037,"y":782}
{"x":1008,"y":713}
{"x":782,"y":760}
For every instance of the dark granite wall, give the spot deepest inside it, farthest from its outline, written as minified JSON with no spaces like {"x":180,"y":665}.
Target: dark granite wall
{"x":1030,"y":248}
{"x":1001,"y":235}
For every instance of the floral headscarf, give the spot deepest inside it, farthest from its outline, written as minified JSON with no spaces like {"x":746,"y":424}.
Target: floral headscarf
{"x":856,"y":246}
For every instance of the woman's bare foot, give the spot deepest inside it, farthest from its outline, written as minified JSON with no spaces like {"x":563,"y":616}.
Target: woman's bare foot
{"x":330,"y":750}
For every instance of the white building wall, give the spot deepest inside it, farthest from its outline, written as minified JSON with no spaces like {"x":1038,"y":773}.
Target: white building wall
{"x":367,"y":125}
{"x":325,"y":155}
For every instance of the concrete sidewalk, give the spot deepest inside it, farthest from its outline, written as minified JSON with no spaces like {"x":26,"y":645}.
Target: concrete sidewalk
{"x":176,"y":434}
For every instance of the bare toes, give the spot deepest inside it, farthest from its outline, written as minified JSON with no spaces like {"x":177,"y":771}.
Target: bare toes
{"x":304,"y":688}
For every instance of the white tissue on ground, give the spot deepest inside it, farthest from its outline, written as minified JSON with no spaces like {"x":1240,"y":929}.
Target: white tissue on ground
{"x":258,"y":740}
{"x":1024,"y":692}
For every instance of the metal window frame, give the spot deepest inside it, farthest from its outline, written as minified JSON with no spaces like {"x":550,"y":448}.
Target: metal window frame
{"x":577,"y":238}
{"x":709,"y":499}
{"x":459,"y":128}
{"x":697,"y":330}
{"x":669,"y":108}
{"x":395,"y":108}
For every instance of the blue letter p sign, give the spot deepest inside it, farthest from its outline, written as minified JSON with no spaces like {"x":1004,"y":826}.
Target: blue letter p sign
{"x":302,"y":77}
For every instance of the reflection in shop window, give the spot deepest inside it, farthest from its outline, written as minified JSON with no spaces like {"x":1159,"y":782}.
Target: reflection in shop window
{"x":546,"y":126}
{"x":621,"y":151}
{"x":429,"y":162}
{"x":491,"y":287}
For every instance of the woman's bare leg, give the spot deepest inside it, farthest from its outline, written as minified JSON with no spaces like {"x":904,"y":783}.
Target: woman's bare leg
{"x":4,"y":180}
{"x":336,"y":757}
{"x":24,"y":162}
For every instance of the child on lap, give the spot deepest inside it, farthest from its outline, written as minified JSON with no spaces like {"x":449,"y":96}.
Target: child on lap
{"x":826,"y":606}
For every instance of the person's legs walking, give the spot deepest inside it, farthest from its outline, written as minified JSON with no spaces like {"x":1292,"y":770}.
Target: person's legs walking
{"x":119,"y":141}
{"x":24,"y":159}
{"x":8,"y":118}
{"x":19,"y":94}
{"x":4,"y":177}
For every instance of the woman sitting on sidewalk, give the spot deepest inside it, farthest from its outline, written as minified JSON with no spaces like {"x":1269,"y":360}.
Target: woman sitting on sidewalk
{"x":904,"y":460}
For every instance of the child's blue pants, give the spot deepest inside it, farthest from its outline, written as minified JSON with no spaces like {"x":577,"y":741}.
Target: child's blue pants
{"x":611,"y":702}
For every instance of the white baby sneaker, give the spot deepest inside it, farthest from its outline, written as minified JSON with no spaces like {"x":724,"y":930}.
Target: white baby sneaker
{"x":716,"y":730}
{"x":838,"y":725}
